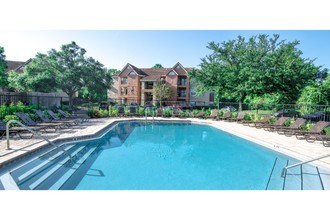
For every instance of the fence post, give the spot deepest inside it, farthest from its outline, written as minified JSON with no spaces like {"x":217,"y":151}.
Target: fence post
{"x":38,"y":106}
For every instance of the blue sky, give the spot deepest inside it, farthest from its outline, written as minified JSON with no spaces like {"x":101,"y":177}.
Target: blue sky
{"x":144,"y":48}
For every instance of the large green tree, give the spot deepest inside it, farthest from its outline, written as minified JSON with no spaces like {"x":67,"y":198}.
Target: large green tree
{"x":3,"y":65}
{"x":162,"y":92}
{"x":256,"y":66}
{"x":68,"y":70}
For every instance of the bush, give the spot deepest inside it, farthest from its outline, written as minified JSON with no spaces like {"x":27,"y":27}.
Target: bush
{"x":10,"y":117}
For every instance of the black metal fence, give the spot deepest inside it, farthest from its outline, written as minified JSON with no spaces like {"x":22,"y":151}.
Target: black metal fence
{"x":309,"y":112}
{"x":38,"y":100}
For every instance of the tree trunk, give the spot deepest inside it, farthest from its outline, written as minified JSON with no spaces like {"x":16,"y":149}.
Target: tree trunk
{"x":240,"y":108}
{"x":70,"y":100}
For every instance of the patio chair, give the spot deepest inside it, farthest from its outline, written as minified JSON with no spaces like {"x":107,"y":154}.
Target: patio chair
{"x":214,"y":114}
{"x":121,"y":110}
{"x":45,"y":119}
{"x":258,"y":124}
{"x":324,"y":138}
{"x":132,"y":110}
{"x":200,"y":115}
{"x":56,"y":118}
{"x":279,"y":122}
{"x":159,"y":112}
{"x":317,"y":129}
{"x":239,"y":118}
{"x":225,"y":116}
{"x":12,"y":131}
{"x":37,"y":126}
{"x":67,"y":116}
{"x":176,"y":112}
{"x":288,"y":131}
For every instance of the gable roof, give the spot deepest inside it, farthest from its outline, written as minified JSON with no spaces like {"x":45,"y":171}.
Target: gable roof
{"x":154,"y":74}
{"x":16,"y":66}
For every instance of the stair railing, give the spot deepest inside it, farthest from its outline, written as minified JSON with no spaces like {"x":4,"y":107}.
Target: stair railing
{"x":33,"y":132}
{"x":301,"y":163}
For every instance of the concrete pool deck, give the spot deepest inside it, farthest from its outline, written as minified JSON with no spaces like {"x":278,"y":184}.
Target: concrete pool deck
{"x":300,"y":149}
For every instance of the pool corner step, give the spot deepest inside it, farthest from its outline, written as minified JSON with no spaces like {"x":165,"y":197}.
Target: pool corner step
{"x":7,"y":182}
{"x":60,"y":182}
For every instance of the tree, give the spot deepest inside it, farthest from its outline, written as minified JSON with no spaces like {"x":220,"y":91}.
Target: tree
{"x":316,"y":93}
{"x":162,"y":92}
{"x":158,"y":66}
{"x":3,"y":66}
{"x":260,"y":65}
{"x":96,"y":91}
{"x":67,"y":69}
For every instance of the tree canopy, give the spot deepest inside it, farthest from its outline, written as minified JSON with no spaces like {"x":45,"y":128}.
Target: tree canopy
{"x":157,"y":65}
{"x":3,"y":65}
{"x":67,"y":69}
{"x":162,"y":92}
{"x":257,"y":66}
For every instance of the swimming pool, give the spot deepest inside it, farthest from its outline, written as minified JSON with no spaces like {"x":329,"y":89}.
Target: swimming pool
{"x":139,"y":155}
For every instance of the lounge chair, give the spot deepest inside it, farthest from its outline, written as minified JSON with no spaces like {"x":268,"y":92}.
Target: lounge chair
{"x":176,"y":112}
{"x":37,"y":126}
{"x":317,"y":129}
{"x":45,"y":119}
{"x":288,"y":131}
{"x":159,"y":112}
{"x":132,"y":110}
{"x":121,"y":110}
{"x":56,"y":118}
{"x":199,"y":115}
{"x":12,"y":131}
{"x":239,"y":118}
{"x":214,"y":114}
{"x":324,"y":138}
{"x":67,"y":116}
{"x":225,"y":116}
{"x":258,"y":124}
{"x":279,"y":122}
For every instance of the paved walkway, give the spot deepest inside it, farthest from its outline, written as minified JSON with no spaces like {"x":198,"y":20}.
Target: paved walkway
{"x":291,"y":146}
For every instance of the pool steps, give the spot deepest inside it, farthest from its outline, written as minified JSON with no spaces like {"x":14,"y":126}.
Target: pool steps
{"x":50,"y":170}
{"x":303,"y":177}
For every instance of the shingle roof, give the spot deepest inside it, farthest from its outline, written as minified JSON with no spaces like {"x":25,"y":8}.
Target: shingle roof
{"x":154,"y":74}
{"x":13,"y":65}
{"x":16,"y":65}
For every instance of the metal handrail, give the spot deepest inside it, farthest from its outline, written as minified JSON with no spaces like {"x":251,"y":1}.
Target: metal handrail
{"x":301,"y":163}
{"x":33,"y":132}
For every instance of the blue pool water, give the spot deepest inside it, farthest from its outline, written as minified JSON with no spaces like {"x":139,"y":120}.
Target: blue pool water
{"x":178,"y":156}
{"x":138,"y":155}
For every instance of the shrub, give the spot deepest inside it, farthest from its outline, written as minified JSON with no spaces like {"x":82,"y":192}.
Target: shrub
{"x":10,"y":117}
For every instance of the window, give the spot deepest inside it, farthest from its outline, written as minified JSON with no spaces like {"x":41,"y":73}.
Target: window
{"x":123,"y":91}
{"x":182,"y":81}
{"x":149,"y":85}
{"x":123,"y":80}
{"x":162,"y":80}
{"x":172,"y":73}
{"x":181,"y":93}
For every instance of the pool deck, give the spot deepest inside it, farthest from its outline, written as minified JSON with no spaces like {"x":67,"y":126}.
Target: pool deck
{"x":300,"y":149}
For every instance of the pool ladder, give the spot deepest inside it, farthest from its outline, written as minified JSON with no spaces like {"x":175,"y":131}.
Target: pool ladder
{"x":146,"y":115}
{"x":33,"y":132}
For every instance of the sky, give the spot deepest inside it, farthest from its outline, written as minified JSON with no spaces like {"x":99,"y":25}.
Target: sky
{"x":144,"y":48}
